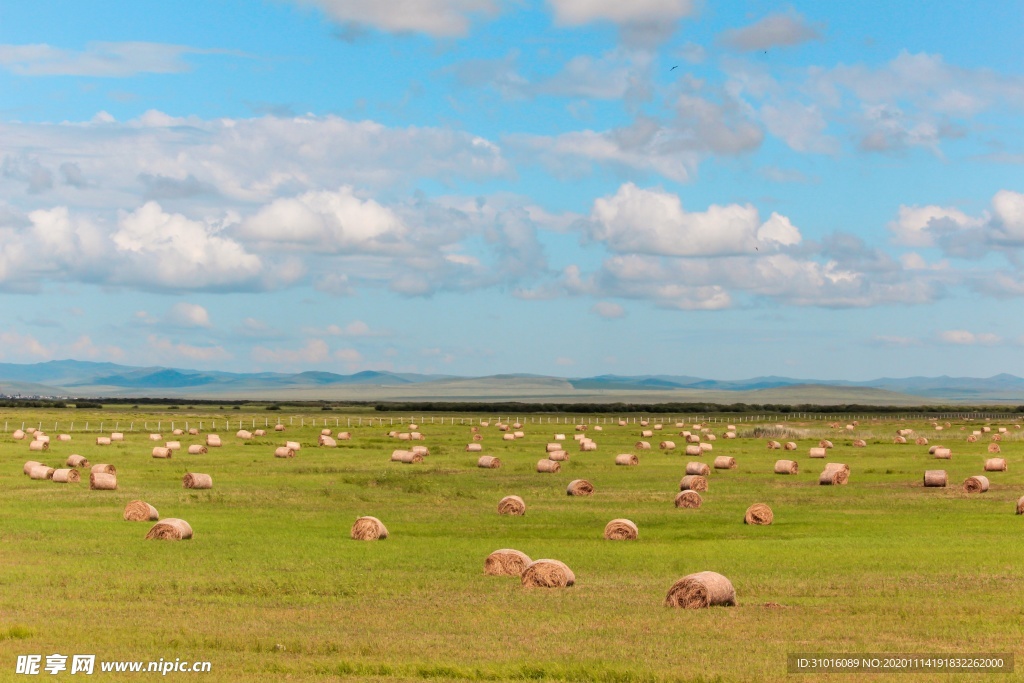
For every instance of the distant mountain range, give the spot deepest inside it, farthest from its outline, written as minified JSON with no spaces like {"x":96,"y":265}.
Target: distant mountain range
{"x":88,"y":379}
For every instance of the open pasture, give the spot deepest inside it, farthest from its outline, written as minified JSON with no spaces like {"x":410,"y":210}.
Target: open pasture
{"x":272,"y":587}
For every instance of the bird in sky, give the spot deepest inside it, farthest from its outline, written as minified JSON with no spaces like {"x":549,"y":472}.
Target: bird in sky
{"x":674,"y":68}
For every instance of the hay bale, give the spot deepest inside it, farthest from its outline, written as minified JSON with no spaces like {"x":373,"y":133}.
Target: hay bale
{"x":759,"y":514}
{"x":519,"y":435}
{"x":693,"y":482}
{"x":644,"y":423}
{"x":547,"y":574}
{"x":900,"y":439}
{"x":560,"y":456}
{"x":588,"y":446}
{"x":474,"y":447}
{"x":102,"y":440}
{"x":995,"y":465}
{"x":699,"y":468}
{"x":260,"y":432}
{"x":943,"y":453}
{"x":701,"y":590}
{"x":642,"y":446}
{"x":170,"y":529}
{"x":103,"y":468}
{"x":730,"y":435}
{"x":579,"y":487}
{"x":39,"y":446}
{"x":512,"y":505}
{"x":75,"y":460}
{"x":506,"y":562}
{"x":173,"y":445}
{"x":102,"y":481}
{"x":834,"y":474}
{"x":725,"y":462}
{"x":935,"y":478}
{"x":488,"y":462}
{"x":774,"y":445}
{"x":688,"y":499}
{"x":197,"y":449}
{"x":824,"y":443}
{"x":622,"y":423}
{"x":155,"y":437}
{"x":193,"y":431}
{"x":705,"y":447}
{"x":294,"y":445}
{"x":976,"y":484}
{"x":621,"y":530}
{"x":41,"y":472}
{"x":1020,"y":505}
{"x":817,"y":453}
{"x":18,"y":435}
{"x":410,"y":458}
{"x":243,"y":434}
{"x":327,"y":442}
{"x":551,"y":447}
{"x":343,"y":436}
{"x":667,"y":445}
{"x":213,"y":440}
{"x":859,"y":443}
{"x":711,"y":437}
{"x":369,"y":529}
{"x":39,"y":436}
{"x":478,"y":437}
{"x":790,"y":446}
{"x":994,"y":448}
{"x":693,"y":450}
{"x":546,"y":465}
{"x":921,"y":441}
{"x":659,"y":427}
{"x":194,"y":480}
{"x":30,"y":430}
{"x":117,"y":436}
{"x":508,"y":437}
{"x":161,"y":452}
{"x":786,"y":467}
{"x":972,"y":439}
{"x":559,"y":437}
{"x":398,"y":454}
{"x":140,"y":511}
{"x":66,"y":476}
{"x":278,"y":428}
{"x":692,"y":438}
{"x":284,"y":452}
{"x":598,"y":428}
{"x":27,"y":467}
{"x":626,"y":459}
{"x":647,"y":433}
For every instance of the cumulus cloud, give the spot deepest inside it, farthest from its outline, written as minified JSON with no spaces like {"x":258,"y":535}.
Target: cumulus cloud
{"x":170,"y":349}
{"x":776,"y":30}
{"x":17,"y":345}
{"x":640,"y":21}
{"x":966,"y":338}
{"x":98,"y":59}
{"x":183,"y":314}
{"x":962,"y":235}
{"x":313,"y":351}
{"x":437,"y":18}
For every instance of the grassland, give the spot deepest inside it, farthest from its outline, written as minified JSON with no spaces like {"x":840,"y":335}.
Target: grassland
{"x":272,"y":588}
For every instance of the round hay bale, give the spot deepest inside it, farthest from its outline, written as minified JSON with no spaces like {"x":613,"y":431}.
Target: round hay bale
{"x":512,"y":505}
{"x":194,"y":480}
{"x":995,"y":465}
{"x":173,"y":445}
{"x":488,"y":462}
{"x":102,"y":440}
{"x":859,"y":443}
{"x":213,"y":440}
{"x":27,"y":467}
{"x":699,"y":468}
{"x":170,"y":529}
{"x":260,"y":432}
{"x":647,"y":433}
{"x":327,"y":441}
{"x":692,"y":438}
{"x":410,"y":458}
{"x":66,"y":476}
{"x":834,"y":474}
{"x":972,"y":438}
{"x":588,"y":446}
{"x":41,"y":472}
{"x":994,"y":448}
{"x":422,"y":450}
{"x":659,"y":426}
{"x":155,"y":437}
{"x":824,"y":443}
{"x":343,"y":436}
{"x":667,"y":445}
{"x":519,"y":435}
{"x":921,"y":441}
{"x":294,"y":445}
{"x":559,"y":437}
{"x":725,"y":462}
{"x":278,"y":428}
{"x":1020,"y":505}
{"x":161,"y":452}
{"x":117,"y":436}
{"x":560,"y":456}
{"x":642,"y":446}
{"x":474,"y":447}
{"x":103,"y":468}
{"x":193,"y":431}
{"x":39,"y":436}
{"x":711,"y":437}
{"x":243,"y":434}
{"x":817,"y":453}
{"x":935,"y":478}
{"x":369,"y":529}
{"x":644,"y":423}
{"x":701,"y":590}
{"x":900,"y":439}
{"x":413,"y":427}
{"x":398,"y":454}
{"x":30,"y":430}
{"x":790,"y":446}
{"x":693,"y":450}
{"x":579,"y":487}
{"x":976,"y":484}
{"x":197,"y":449}
{"x":598,"y":428}
{"x":140,"y":511}
{"x":693,"y":482}
{"x":759,"y":514}
{"x":774,"y":445}
{"x":786,"y":467}
{"x":18,"y":435}
{"x":75,"y":460}
{"x":284,"y":452}
{"x":102,"y":481}
{"x":627,"y":459}
{"x":506,"y":562}
{"x":325,"y":432}
{"x":621,"y":530}
{"x":688,"y":499}
{"x":932,"y":449}
{"x":943,"y":453}
{"x":622,"y":423}
{"x":551,"y":447}
{"x":730,"y":435}
{"x":39,"y":446}
{"x":546,"y":465}
{"x":547,"y":574}
{"x":508,"y":437}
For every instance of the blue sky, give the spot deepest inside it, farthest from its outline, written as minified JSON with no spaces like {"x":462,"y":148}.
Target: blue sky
{"x":571,"y":187}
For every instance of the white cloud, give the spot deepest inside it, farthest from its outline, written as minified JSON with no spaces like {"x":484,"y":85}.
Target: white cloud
{"x":802,"y":127}
{"x":641,"y":21}
{"x":83,"y":347}
{"x":966,"y":338}
{"x":438,"y":18}
{"x":960,"y":234}
{"x":776,"y":30}
{"x":920,"y":226}
{"x":167,"y":348}
{"x":348,"y":355}
{"x":607,"y":309}
{"x":640,"y":221}
{"x":98,"y":59}
{"x":184,"y":314}
{"x":312,"y":352}
{"x":16,"y":345}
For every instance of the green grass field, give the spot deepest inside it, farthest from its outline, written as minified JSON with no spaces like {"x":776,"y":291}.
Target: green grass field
{"x":272,"y":587}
